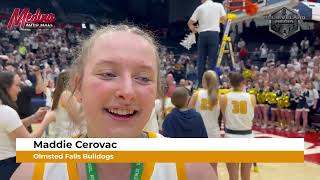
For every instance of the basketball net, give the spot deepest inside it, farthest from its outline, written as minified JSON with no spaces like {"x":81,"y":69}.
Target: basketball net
{"x":249,"y":7}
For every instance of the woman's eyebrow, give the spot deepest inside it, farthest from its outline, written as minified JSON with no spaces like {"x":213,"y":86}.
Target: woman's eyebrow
{"x":112,"y":62}
{"x":106,"y":62}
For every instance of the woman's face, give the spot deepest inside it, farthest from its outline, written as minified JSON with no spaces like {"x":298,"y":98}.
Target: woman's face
{"x":50,"y":84}
{"x":304,"y":71}
{"x":170,"y":79}
{"x":119,"y":85}
{"x":14,"y":90}
{"x":225,"y":85}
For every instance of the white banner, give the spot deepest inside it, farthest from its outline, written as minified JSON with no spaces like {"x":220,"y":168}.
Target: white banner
{"x":160,"y":144}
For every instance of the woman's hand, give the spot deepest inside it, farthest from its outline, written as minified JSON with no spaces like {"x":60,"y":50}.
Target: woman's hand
{"x":49,"y":117}
{"x":39,"y":115}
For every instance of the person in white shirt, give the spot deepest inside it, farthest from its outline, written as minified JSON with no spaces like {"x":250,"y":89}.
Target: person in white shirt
{"x":66,"y":112}
{"x":304,"y":45}
{"x":34,"y":46}
{"x":152,"y":125}
{"x":15,"y":34}
{"x":11,"y":127}
{"x":296,"y":64}
{"x":163,"y":106}
{"x":316,"y":77}
{"x":241,"y":43}
{"x":312,"y":101}
{"x":294,"y":51}
{"x":263,"y":52}
{"x":209,"y":15}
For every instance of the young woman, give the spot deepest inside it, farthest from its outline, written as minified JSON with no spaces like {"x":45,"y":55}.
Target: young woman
{"x":258,"y":114}
{"x":287,"y":111}
{"x":303,"y":75}
{"x":163,"y":106}
{"x":171,"y":85}
{"x":281,"y":74}
{"x":259,"y":107}
{"x":265,"y":105}
{"x":290,"y":73}
{"x":206,"y":102}
{"x":237,"y":108}
{"x":312,"y":101}
{"x":302,"y":108}
{"x":65,"y":111}
{"x":116,"y":79}
{"x":11,"y":127}
{"x":276,"y":118}
{"x":48,"y":93}
{"x":152,"y":125}
{"x":316,"y":76}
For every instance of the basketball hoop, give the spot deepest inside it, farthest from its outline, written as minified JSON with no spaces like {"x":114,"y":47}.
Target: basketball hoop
{"x":249,"y":7}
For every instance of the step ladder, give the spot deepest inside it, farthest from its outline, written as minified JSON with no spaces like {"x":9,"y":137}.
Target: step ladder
{"x":227,"y":41}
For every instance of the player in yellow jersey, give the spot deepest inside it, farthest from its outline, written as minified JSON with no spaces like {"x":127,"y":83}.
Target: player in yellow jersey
{"x":206,"y":102}
{"x":163,"y":107}
{"x":237,"y":108}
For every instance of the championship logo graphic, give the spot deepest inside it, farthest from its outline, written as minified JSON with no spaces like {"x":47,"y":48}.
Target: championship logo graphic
{"x":284,"y":22}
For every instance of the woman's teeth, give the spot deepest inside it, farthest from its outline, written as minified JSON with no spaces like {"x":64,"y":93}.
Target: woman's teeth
{"x":121,"y":111}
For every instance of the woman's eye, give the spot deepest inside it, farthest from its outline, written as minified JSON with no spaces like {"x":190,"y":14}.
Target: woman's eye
{"x":143,"y":79}
{"x":108,"y":76}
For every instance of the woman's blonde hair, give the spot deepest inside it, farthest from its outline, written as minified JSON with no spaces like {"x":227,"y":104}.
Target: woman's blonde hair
{"x":77,"y":68}
{"x":212,"y":82}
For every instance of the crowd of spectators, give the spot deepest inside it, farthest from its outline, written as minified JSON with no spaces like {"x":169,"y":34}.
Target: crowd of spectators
{"x":52,"y":51}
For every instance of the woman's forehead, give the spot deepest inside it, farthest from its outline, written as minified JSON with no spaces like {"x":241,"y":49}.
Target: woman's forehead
{"x":126,"y":46}
{"x":123,"y":38}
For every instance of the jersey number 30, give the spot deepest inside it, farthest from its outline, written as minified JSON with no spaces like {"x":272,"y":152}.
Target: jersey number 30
{"x":239,"y":107}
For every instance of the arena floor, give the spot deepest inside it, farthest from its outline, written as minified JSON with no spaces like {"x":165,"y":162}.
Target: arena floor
{"x":309,"y":170}
{"x":280,"y":171}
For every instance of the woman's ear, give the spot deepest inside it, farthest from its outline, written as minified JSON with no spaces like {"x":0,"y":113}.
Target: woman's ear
{"x":76,"y":87}
{"x":78,"y":96}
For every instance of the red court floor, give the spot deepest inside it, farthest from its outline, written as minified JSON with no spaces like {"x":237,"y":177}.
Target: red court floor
{"x":311,"y":141}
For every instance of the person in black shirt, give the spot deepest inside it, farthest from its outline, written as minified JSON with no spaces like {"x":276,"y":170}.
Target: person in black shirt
{"x":28,"y":92}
